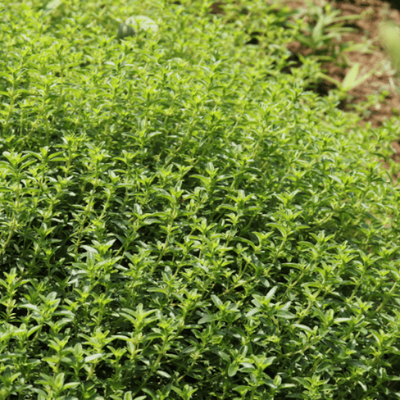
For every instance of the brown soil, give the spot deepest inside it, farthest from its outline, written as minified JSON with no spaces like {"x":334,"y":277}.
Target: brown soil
{"x":366,"y":30}
{"x":382,"y":83}
{"x":384,"y":79}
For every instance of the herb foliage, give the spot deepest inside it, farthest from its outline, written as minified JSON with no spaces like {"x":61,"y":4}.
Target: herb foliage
{"x":181,"y":218}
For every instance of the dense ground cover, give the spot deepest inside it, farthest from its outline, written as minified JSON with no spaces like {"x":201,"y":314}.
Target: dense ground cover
{"x":182,"y":218}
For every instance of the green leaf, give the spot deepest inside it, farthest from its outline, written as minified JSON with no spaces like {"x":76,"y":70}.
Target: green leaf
{"x":285,"y":314}
{"x":350,"y":78}
{"x":163,"y":373}
{"x":232,"y":370}
{"x":93,"y":357}
{"x":304,"y":327}
{"x":208,"y":318}
{"x":142,"y":23}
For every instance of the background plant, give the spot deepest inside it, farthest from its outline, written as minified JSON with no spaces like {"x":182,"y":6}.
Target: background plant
{"x":389,"y":36}
{"x":321,"y":30}
{"x":181,"y":218}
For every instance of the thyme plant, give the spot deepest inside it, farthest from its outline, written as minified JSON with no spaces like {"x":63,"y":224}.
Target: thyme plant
{"x":181,"y":218}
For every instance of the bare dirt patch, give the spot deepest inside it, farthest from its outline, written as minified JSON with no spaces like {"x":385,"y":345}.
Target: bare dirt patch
{"x":366,"y":31}
{"x":382,"y":83}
